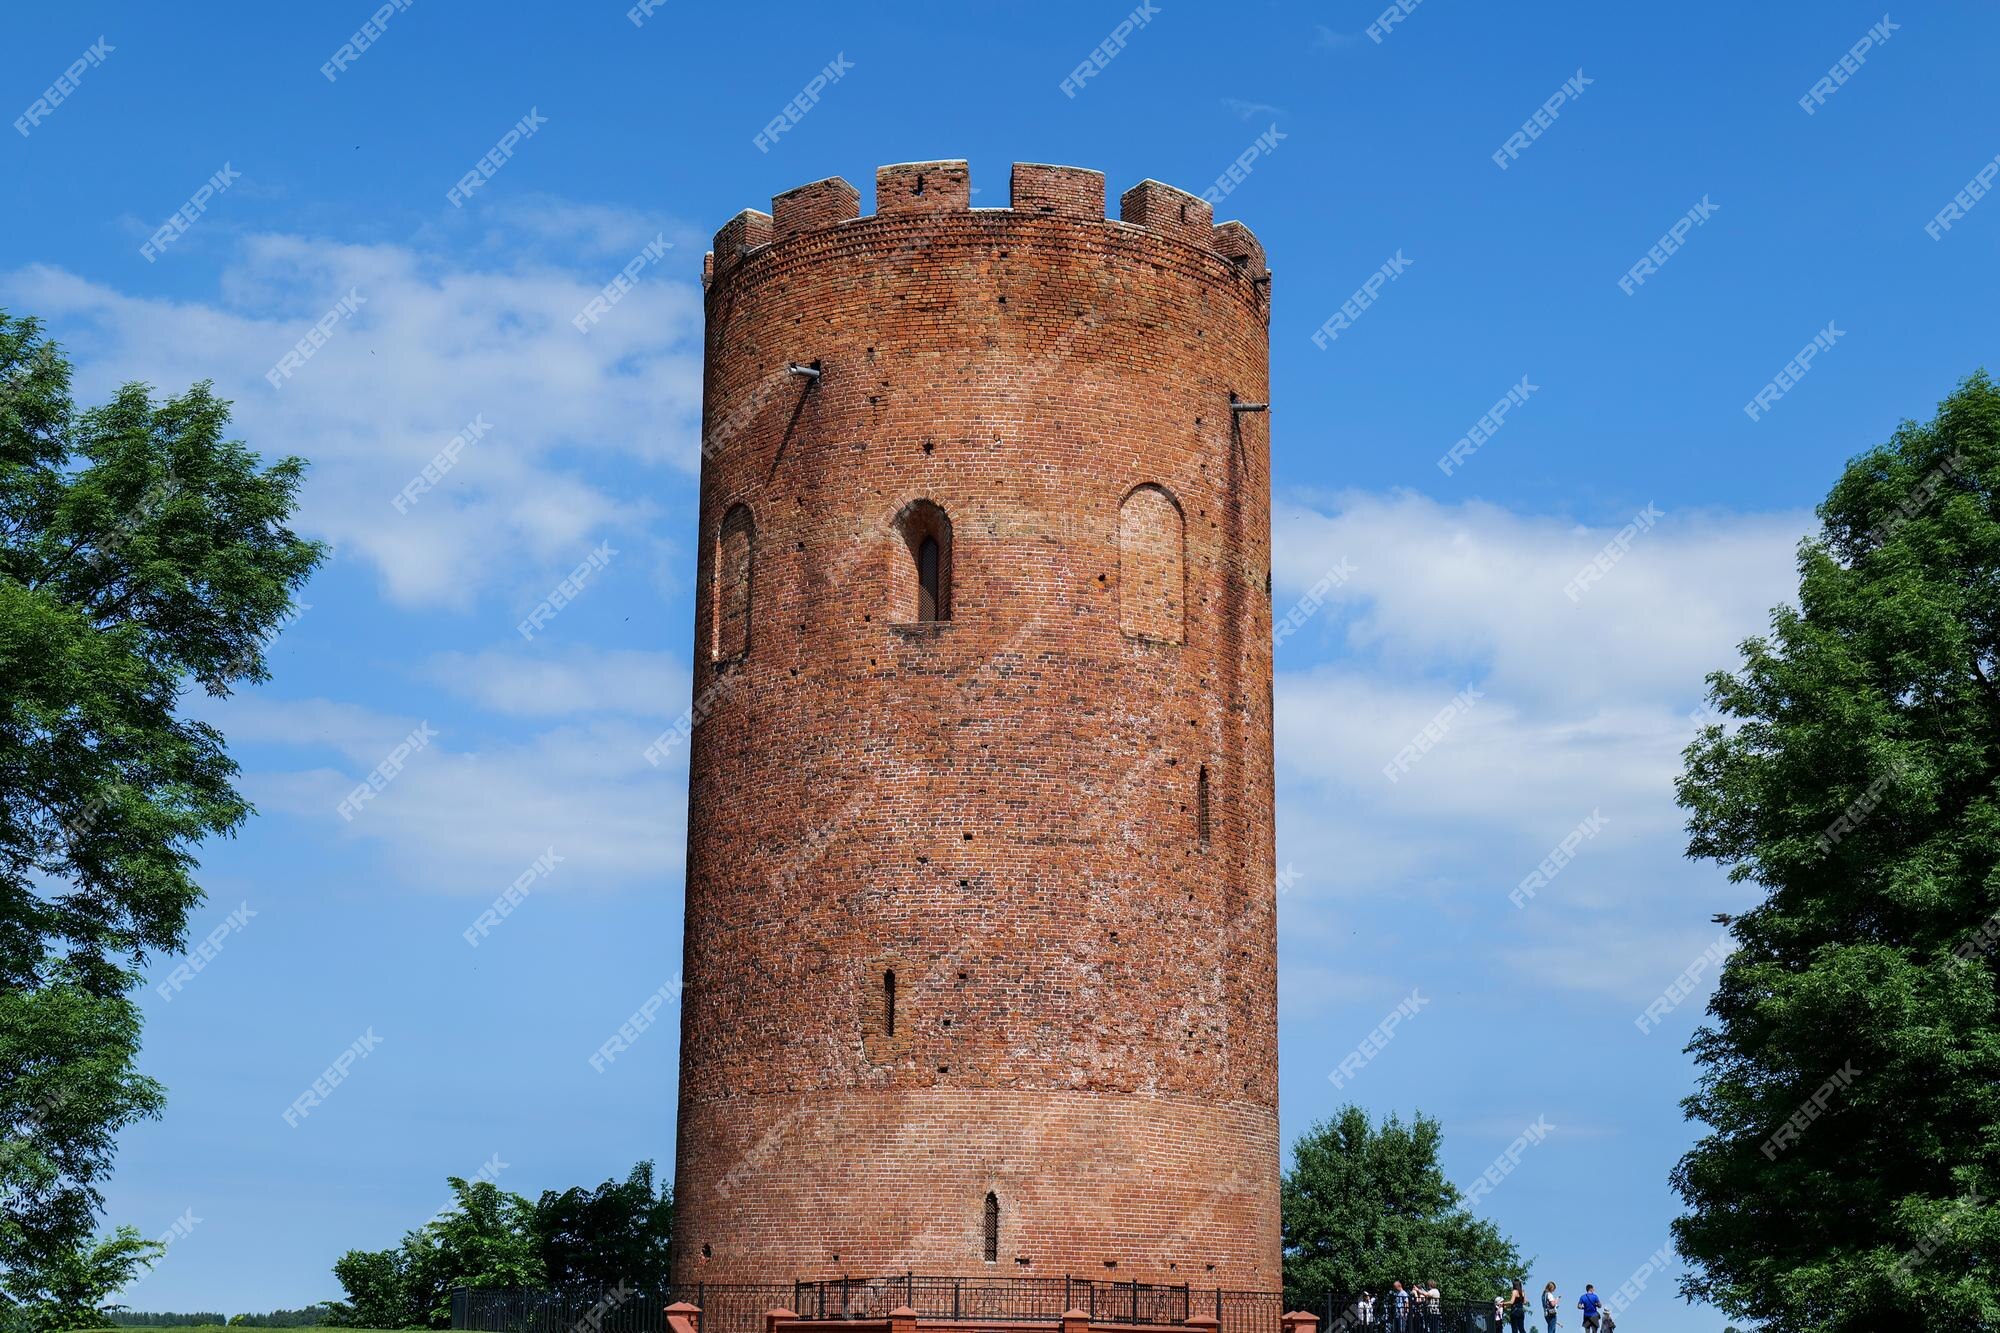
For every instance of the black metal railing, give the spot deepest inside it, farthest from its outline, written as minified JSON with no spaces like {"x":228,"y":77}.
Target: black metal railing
{"x":740,"y":1307}
{"x":1351,"y":1315}
{"x":1022,"y":1298}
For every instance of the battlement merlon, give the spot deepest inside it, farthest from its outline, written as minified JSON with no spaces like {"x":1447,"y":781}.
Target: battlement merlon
{"x":945,"y":186}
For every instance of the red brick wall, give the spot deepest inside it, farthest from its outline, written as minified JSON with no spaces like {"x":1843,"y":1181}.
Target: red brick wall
{"x":1001,"y":807}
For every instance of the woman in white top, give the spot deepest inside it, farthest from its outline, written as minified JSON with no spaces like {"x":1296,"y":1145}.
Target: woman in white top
{"x":1550,"y":1305}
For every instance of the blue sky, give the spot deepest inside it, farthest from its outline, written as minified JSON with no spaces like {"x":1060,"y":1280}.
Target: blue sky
{"x":587,"y":442}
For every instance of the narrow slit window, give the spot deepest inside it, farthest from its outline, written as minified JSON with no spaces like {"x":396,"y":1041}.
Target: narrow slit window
{"x":927,"y":579}
{"x":1201,"y":807}
{"x":992,"y":1228}
{"x":922,"y":577}
{"x":889,"y":1003}
{"x":735,"y":554}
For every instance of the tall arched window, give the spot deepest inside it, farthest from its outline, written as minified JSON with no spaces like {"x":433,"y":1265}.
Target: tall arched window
{"x":1152,"y":580}
{"x":734,"y":555}
{"x":992,"y":1228}
{"x":921,"y":580}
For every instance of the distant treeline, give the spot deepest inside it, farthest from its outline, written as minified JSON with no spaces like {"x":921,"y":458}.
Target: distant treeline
{"x":311,"y":1317}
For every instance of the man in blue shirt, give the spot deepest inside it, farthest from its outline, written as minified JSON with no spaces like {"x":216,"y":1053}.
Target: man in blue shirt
{"x":1399,"y":1306}
{"x":1590,"y":1303}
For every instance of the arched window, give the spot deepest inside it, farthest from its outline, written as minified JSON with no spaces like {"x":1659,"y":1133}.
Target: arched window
{"x":889,"y":1003}
{"x":734,"y":555}
{"x":1152,"y":555}
{"x":1201,"y":807}
{"x":921,"y":582}
{"x":992,"y":1228}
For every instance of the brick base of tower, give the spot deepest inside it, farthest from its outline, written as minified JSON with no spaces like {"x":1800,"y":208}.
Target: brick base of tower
{"x":926,"y":1160}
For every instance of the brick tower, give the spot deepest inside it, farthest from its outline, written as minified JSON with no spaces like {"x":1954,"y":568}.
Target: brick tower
{"x":980,"y":951}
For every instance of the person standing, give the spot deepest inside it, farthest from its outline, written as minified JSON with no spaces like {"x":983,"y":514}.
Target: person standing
{"x":1549,"y":1304}
{"x":1365,"y":1307}
{"x":1517,"y":1308}
{"x":1590,"y":1303}
{"x":1399,"y":1307}
{"x":1433,"y":1307}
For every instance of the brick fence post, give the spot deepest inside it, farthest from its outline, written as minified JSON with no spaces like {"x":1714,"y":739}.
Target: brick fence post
{"x":683,"y":1317}
{"x":1204,"y":1323}
{"x":1299,"y":1321}
{"x":902,"y":1319}
{"x":776,"y":1319}
{"x":1075,"y":1321}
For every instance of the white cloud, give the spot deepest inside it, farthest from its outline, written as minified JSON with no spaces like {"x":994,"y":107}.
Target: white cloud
{"x":573,"y":417}
{"x":520,"y":683}
{"x":1583,"y":708}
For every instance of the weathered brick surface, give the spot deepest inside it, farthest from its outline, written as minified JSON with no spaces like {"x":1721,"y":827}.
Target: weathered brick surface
{"x":1000,"y":808}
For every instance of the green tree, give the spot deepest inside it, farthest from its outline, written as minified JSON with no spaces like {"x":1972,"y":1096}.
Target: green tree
{"x":485,"y":1239}
{"x":72,"y":1291}
{"x":378,"y":1296}
{"x":592,"y":1240}
{"x":141,"y":551}
{"x":1364,"y":1206}
{"x":1849,"y":1075}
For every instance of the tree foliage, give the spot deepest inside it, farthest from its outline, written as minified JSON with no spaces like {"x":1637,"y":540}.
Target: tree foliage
{"x":584,"y":1243}
{"x":1364,"y":1206}
{"x":592,"y":1240}
{"x":1850,"y":1071}
{"x":141,"y":551}
{"x":73,"y":1291}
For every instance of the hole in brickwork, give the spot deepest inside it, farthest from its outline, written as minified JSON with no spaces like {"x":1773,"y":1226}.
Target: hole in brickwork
{"x":993,"y":1229}
{"x":706,"y":1253}
{"x":920,"y":186}
{"x":889,"y":1003}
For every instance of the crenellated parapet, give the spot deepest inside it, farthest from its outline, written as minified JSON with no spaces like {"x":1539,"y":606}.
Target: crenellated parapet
{"x":908,"y":189}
